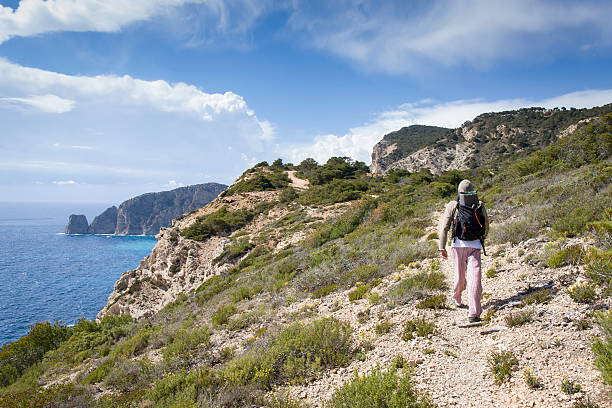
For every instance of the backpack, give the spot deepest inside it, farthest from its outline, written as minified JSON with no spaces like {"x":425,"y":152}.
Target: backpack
{"x":469,"y":221}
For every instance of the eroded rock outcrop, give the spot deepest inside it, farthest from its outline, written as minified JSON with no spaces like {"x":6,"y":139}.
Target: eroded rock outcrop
{"x":105,"y":223}
{"x":77,"y":224}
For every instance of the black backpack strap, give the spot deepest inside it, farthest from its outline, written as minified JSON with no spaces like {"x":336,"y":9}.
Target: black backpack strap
{"x":484,"y":251}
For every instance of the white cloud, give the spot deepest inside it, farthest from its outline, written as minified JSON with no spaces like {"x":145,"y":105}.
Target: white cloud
{"x":359,"y":141}
{"x":45,"y":103}
{"x":64,"y":182}
{"x":122,"y":90}
{"x":173,"y":184}
{"x":34,"y":17}
{"x":402,"y":37}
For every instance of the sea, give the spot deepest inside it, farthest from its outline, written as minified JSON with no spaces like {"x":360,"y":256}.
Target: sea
{"x":46,"y":275}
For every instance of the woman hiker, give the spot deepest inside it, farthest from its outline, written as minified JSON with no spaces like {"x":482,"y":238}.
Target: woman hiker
{"x":469,"y":224}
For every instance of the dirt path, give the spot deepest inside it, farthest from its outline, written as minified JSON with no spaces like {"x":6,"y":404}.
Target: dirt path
{"x":452,"y":366}
{"x":296,"y":182}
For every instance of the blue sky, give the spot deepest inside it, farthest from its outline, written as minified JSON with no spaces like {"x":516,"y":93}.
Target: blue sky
{"x":101,"y":101}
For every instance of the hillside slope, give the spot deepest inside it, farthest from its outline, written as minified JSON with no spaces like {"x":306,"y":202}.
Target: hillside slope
{"x":280,"y":290}
{"x":488,"y":140}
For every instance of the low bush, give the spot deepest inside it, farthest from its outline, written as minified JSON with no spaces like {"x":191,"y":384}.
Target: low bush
{"x":297,"y":353}
{"x":518,"y":318}
{"x":358,"y":293}
{"x":570,"y":387}
{"x":384,"y":327}
{"x":415,"y":251}
{"x":531,"y":379}
{"x":433,"y":302}
{"x":343,"y":225}
{"x":16,"y":357}
{"x":323,"y":291}
{"x":405,"y":290}
{"x":222,"y":315}
{"x":222,"y":222}
{"x":130,"y":375}
{"x":502,"y":364}
{"x":419,"y":327}
{"x":515,"y":231}
{"x":582,"y":292}
{"x":602,"y":348}
{"x":262,"y":181}
{"x":491,"y":273}
{"x":184,"y":341}
{"x":537,"y":297}
{"x":234,"y":251}
{"x":59,"y":395}
{"x":569,"y":255}
{"x":390,"y":389}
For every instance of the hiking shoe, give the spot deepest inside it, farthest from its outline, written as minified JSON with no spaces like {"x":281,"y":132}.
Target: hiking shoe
{"x":459,"y":305}
{"x":474,"y":319}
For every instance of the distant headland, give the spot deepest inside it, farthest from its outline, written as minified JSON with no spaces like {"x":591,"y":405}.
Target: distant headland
{"x":146,"y":213}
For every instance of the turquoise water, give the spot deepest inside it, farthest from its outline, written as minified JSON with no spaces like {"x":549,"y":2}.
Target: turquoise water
{"x":49,"y":276}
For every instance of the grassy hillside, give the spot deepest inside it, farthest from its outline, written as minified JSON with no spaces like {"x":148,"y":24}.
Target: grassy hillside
{"x":285,"y":319}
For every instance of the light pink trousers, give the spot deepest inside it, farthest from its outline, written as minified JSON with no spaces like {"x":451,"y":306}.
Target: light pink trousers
{"x":468,"y":258}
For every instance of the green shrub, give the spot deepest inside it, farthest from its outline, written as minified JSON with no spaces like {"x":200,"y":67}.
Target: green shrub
{"x":222,"y":315}
{"x":433,"y":302}
{"x":537,"y":297}
{"x":582,"y":292}
{"x":186,"y":340}
{"x":570,"y":387}
{"x":323,"y":291}
{"x":519,"y":318}
{"x":515,"y":231}
{"x":344,"y":224}
{"x":415,"y":251}
{"x":388,"y":389}
{"x":16,"y":357}
{"x":419,"y":327}
{"x":130,"y":375}
{"x":405,"y":290}
{"x":502,"y":364}
{"x":234,"y":251}
{"x":222,"y":222}
{"x":491,"y":273}
{"x":584,"y":402}
{"x":602,"y":348}
{"x":213,"y":286}
{"x":358,"y":293}
{"x":53,"y":396}
{"x":384,"y":327}
{"x":262,"y":181}
{"x":599,"y":267}
{"x":287,"y":195}
{"x":531,"y":379}
{"x":322,"y":255}
{"x":299,"y":352}
{"x":99,"y":373}
{"x":135,"y":344}
{"x":569,"y":255}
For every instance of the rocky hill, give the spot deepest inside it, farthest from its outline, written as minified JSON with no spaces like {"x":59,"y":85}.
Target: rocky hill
{"x":488,"y":140}
{"x":321,"y":286}
{"x":147,"y":213}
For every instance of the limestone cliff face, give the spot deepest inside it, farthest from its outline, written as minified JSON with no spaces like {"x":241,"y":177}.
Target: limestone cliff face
{"x":105,"y":223}
{"x":147,"y":213}
{"x":180,"y":265}
{"x":482,"y":141}
{"x":176,"y":264}
{"x":77,"y":224}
